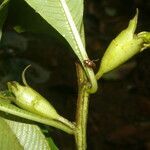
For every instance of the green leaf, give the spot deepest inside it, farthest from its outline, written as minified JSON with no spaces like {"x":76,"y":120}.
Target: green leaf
{"x":66,"y":16}
{"x":3,"y":14}
{"x":29,"y":136}
{"x":57,"y":13}
{"x":8,"y":140}
{"x":82,"y":34}
{"x":27,"y":20}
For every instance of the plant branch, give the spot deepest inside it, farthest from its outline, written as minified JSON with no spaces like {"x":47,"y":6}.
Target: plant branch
{"x":82,"y":110}
{"x":64,"y":125}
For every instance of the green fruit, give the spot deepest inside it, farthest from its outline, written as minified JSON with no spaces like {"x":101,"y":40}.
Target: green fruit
{"x":28,"y":99}
{"x":122,"y":48}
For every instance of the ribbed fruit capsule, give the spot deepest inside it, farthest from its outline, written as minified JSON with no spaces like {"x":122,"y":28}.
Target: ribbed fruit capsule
{"x":28,"y":99}
{"x":122,"y":48}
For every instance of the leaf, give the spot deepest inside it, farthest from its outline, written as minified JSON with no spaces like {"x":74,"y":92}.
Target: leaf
{"x":66,"y":16}
{"x":30,"y":22}
{"x":3,"y":14}
{"x":8,"y":140}
{"x":82,"y":34}
{"x":29,"y":136}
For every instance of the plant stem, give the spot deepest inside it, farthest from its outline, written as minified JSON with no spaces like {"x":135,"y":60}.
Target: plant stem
{"x":64,"y":125}
{"x":82,"y":110}
{"x":66,"y":122}
{"x":81,"y":122}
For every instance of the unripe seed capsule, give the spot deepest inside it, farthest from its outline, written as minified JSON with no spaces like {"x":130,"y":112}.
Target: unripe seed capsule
{"x":30,"y":100}
{"x":122,"y":48}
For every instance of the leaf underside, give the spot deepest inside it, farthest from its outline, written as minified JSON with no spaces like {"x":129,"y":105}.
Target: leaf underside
{"x":54,"y":13}
{"x":29,"y":136}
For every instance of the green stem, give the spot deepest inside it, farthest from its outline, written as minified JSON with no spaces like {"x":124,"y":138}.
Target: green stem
{"x":85,"y":115}
{"x":81,"y":123}
{"x":64,"y":125}
{"x":82,"y":110}
{"x":66,"y":122}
